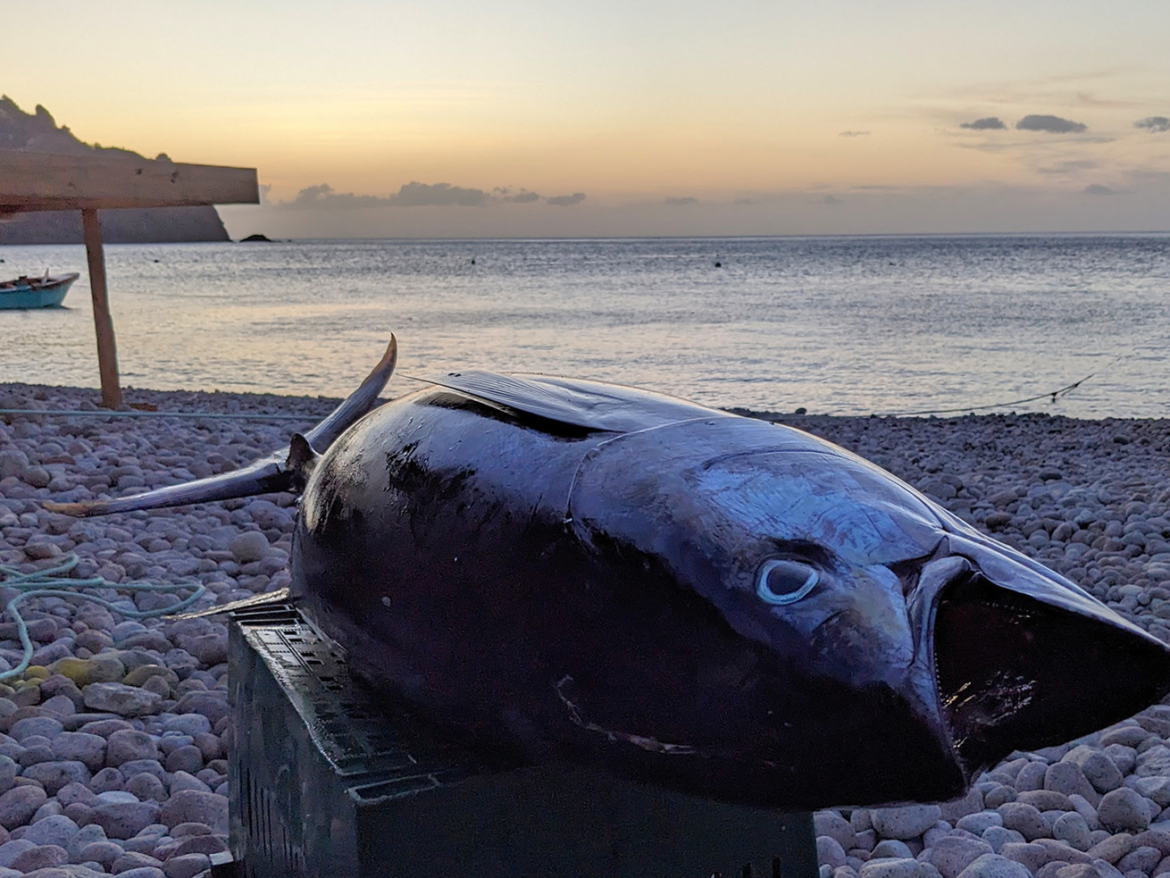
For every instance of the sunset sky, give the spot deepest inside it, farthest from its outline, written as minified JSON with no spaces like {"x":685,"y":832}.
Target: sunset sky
{"x":626,"y":117}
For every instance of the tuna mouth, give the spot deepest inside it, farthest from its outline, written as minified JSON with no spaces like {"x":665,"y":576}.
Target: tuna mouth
{"x":1014,"y":673}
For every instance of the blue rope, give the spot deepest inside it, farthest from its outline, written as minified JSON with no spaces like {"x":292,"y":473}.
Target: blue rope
{"x":51,"y":583}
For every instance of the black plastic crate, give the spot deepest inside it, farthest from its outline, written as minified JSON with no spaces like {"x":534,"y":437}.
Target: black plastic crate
{"x":327,"y":782}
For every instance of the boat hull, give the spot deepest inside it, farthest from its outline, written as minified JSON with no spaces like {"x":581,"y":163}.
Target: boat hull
{"x":23,"y":295}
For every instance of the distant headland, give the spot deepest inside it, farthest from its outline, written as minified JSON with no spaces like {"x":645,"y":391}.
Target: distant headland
{"x":38,"y":132}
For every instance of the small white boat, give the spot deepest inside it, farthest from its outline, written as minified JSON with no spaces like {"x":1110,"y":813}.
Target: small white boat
{"x":35,"y":292}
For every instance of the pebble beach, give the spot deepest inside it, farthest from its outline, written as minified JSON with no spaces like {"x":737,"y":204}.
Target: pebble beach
{"x":113,"y":743}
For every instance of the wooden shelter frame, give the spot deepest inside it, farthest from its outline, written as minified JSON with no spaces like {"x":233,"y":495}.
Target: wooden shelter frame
{"x":43,"y":181}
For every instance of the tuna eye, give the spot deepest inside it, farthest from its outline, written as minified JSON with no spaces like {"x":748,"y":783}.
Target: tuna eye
{"x":785,"y":582}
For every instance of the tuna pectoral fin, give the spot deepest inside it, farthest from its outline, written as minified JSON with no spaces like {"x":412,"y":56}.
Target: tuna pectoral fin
{"x":278,"y":598}
{"x":283,"y":471}
{"x":262,"y":477}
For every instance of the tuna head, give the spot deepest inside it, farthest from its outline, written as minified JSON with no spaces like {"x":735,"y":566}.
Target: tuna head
{"x":923,"y":643}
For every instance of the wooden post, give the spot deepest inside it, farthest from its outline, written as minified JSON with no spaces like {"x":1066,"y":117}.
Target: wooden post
{"x":102,"y":322}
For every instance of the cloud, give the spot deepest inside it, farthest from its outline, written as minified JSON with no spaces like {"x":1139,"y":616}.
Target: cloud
{"x":853,"y":134}
{"x":1148,"y":176}
{"x":1089,"y":99}
{"x":830,"y":199}
{"x":1031,"y":145}
{"x":415,"y":194}
{"x":1050,"y":124}
{"x":681,"y":202}
{"x":1039,"y":204}
{"x":1098,"y":189}
{"x":505,"y":193}
{"x":1071,"y":166}
{"x":1156,"y":124}
{"x":988,"y":146}
{"x":313,"y":195}
{"x":567,"y":200}
{"x":1062,"y":89}
{"x":323,"y":197}
{"x":990,"y":123}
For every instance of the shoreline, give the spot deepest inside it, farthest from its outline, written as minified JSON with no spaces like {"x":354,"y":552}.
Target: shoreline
{"x":113,"y":750}
{"x":233,"y":400}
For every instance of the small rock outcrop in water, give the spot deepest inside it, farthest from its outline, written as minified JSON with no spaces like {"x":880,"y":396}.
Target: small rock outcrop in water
{"x":256,"y":237}
{"x":38,"y":132}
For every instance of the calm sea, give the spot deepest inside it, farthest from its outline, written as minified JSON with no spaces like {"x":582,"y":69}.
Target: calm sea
{"x":849,"y":325}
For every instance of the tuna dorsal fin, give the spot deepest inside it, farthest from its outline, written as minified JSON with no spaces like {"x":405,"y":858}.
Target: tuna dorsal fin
{"x":592,"y":405}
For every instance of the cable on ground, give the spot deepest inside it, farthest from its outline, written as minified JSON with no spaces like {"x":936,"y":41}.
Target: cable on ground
{"x":1052,"y":394}
{"x":52,"y":582}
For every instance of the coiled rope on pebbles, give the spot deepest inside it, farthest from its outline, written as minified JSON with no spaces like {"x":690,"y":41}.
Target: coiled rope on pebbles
{"x":54,"y":582}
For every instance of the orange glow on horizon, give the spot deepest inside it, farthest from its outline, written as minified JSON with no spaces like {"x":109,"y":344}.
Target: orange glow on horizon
{"x":627,"y":103}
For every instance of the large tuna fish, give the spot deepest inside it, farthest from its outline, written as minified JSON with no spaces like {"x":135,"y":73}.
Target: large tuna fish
{"x":567,"y":570}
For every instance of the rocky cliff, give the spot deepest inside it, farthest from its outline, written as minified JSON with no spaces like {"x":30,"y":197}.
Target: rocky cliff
{"x":38,"y":132}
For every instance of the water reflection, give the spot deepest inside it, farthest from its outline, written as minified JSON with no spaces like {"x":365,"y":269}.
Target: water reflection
{"x":849,"y":325}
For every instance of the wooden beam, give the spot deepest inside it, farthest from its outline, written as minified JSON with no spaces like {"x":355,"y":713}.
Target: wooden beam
{"x":42,"y":181}
{"x":103,"y":324}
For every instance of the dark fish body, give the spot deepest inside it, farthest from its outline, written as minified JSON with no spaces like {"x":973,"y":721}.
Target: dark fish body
{"x":562,"y":570}
{"x":591,"y":595}
{"x":448,"y":548}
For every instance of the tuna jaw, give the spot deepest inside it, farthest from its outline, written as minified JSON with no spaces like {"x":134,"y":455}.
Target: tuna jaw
{"x":1014,"y":673}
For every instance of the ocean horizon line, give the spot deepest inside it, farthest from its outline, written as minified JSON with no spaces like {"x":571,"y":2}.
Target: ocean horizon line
{"x":860,"y":236}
